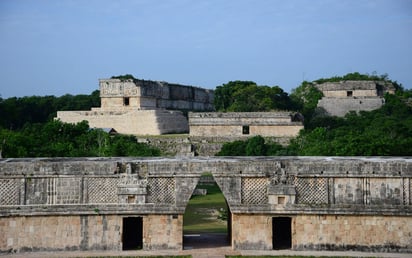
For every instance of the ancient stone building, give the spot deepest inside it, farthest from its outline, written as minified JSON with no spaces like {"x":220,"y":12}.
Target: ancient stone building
{"x":298,"y":203}
{"x":238,"y":124}
{"x":142,"y":107}
{"x":341,"y":97}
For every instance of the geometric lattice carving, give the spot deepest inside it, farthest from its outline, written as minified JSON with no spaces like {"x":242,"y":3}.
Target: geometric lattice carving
{"x":254,"y":190}
{"x":161,"y":190}
{"x":311,"y":190}
{"x":102,"y":190}
{"x":9,"y":191}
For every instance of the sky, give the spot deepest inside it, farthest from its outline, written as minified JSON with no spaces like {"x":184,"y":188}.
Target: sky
{"x":57,"y":47}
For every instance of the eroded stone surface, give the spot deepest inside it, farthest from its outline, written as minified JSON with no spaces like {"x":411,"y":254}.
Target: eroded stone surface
{"x":81,"y":203}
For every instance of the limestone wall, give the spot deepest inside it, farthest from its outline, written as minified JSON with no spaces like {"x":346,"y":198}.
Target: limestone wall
{"x":369,"y":88}
{"x":154,"y":94}
{"x":341,"y":106}
{"x":235,"y":124}
{"x":89,"y":232}
{"x":48,"y":233}
{"x":162,"y":232}
{"x":252,"y":232}
{"x":366,"y":233}
{"x":353,"y":93}
{"x":136,"y":122}
{"x":326,"y":232}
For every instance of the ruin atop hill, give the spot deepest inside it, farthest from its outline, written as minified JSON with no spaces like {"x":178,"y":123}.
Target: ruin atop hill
{"x":341,"y":97}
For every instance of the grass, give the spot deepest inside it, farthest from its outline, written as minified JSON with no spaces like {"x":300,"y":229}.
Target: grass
{"x":202,"y":211}
{"x":158,"y":256}
{"x":268,"y":256}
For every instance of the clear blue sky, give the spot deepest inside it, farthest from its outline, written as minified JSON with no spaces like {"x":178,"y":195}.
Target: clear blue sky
{"x":54,"y":47}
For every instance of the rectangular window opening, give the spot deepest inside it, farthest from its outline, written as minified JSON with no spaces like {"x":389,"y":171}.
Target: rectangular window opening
{"x":245,"y":129}
{"x":126,"y":101}
{"x":349,"y":93}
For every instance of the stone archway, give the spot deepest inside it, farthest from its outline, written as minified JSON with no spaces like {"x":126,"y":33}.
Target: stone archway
{"x":207,"y":218}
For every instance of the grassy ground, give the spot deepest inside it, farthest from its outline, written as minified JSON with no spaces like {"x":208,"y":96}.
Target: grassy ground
{"x":179,"y":256}
{"x":266,"y":256}
{"x":202,"y":212}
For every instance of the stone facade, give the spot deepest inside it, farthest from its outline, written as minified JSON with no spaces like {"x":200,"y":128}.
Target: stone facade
{"x":125,"y":94}
{"x":142,"y":107}
{"x":136,"y":122}
{"x":246,"y":124}
{"x":342,"y":97}
{"x":300,"y":203}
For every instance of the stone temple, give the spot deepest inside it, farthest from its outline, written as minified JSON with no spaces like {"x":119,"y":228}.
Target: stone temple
{"x":339,"y":98}
{"x":142,"y":107}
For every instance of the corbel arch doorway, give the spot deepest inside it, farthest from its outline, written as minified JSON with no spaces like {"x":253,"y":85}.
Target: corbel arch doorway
{"x":207,"y":218}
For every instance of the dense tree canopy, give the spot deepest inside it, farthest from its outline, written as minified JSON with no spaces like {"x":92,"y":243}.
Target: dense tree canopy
{"x":124,"y":77}
{"x":57,"y":139}
{"x":16,"y":112}
{"x":247,"y":96}
{"x":305,"y":98}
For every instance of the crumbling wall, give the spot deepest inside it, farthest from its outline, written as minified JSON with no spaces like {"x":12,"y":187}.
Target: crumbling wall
{"x":341,"y":106}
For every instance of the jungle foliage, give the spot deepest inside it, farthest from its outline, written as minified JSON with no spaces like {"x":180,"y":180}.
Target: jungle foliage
{"x":124,"y":77}
{"x":58,"y":139}
{"x":247,"y":96}
{"x":16,"y":112}
{"x":27,"y":129}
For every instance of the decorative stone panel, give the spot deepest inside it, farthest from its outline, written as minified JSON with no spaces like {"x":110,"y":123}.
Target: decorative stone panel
{"x":10,"y":191}
{"x":161,"y":190}
{"x":254,"y":190}
{"x":102,"y":189}
{"x":131,"y":189}
{"x":311,"y":190}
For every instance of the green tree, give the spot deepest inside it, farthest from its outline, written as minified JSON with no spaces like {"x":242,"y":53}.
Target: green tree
{"x":383,"y":132}
{"x":305,"y":98}
{"x":247,"y":96}
{"x":57,"y":139}
{"x":16,"y":112}
{"x":254,"y":146}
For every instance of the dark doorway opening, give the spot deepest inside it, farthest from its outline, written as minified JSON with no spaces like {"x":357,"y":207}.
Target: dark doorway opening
{"x":245,"y":129}
{"x":126,"y":101}
{"x":132,"y":233}
{"x":282,"y":232}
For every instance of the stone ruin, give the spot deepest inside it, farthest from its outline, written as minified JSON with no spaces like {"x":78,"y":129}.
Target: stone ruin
{"x":298,"y":203}
{"x":339,"y":98}
{"x":244,"y":124}
{"x":142,"y":107}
